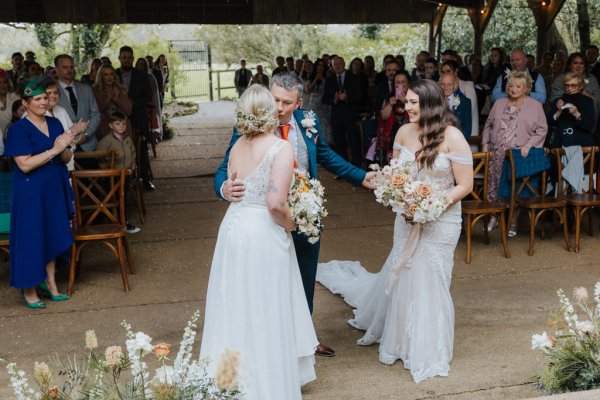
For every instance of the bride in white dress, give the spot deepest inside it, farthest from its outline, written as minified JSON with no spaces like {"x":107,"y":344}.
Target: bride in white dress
{"x":415,"y":322}
{"x":255,"y":303}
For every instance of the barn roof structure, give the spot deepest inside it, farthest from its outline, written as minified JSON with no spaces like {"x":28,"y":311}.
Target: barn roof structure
{"x":273,"y":12}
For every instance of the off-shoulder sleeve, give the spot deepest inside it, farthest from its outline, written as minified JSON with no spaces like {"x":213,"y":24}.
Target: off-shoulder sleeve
{"x":397,"y":146}
{"x":461,"y":157}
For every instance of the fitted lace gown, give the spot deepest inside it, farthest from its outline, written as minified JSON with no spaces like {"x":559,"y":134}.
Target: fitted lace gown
{"x":415,"y":323}
{"x":255,"y":302}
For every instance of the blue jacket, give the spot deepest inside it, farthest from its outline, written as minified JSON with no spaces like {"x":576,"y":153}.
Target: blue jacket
{"x":463,"y":114}
{"x":318,"y":153}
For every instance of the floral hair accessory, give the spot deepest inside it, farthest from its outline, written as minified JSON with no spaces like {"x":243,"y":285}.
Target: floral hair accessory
{"x":248,"y":123}
{"x":34,"y":87}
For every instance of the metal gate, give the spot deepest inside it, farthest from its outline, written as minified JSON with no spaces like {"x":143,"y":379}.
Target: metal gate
{"x":193,"y":73}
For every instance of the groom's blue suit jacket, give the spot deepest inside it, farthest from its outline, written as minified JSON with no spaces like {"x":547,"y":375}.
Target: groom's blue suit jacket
{"x":318,"y":153}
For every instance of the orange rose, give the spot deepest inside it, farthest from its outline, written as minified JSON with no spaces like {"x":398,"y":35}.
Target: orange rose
{"x":161,"y":349}
{"x":53,"y":392}
{"x":398,"y":180}
{"x":411,"y":210}
{"x":424,"y":190}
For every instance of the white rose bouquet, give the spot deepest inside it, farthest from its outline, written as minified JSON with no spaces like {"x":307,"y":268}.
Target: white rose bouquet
{"x":414,"y":199}
{"x":306,"y":199}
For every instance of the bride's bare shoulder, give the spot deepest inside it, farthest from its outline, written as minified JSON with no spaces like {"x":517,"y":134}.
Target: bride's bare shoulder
{"x":404,"y":131}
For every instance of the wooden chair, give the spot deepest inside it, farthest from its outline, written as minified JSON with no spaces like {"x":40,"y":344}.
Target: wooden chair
{"x":107,"y":157}
{"x":102,"y":222}
{"x":475,"y":141}
{"x":584,"y":202}
{"x":536,"y":205}
{"x":479,"y":208}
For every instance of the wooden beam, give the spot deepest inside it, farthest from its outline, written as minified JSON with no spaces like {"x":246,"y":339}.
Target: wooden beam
{"x":435,"y":27}
{"x":544,"y":12}
{"x":459,"y":3}
{"x":480,"y":18}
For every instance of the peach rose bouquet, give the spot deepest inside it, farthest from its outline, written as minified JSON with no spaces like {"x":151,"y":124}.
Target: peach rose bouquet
{"x":415,"y":200}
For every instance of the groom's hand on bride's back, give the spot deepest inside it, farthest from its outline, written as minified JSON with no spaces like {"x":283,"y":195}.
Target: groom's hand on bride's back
{"x":367,"y":181}
{"x":233,"y":190}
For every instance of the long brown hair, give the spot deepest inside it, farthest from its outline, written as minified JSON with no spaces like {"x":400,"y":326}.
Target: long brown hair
{"x":435,"y":118}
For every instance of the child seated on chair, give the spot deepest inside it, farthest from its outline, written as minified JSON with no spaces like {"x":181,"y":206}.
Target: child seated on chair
{"x":122,"y":144}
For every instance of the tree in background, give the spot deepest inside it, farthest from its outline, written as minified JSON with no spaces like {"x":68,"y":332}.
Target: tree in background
{"x":369,"y":31}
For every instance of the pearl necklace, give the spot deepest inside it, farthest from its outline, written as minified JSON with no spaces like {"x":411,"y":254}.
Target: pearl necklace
{"x":39,"y":126}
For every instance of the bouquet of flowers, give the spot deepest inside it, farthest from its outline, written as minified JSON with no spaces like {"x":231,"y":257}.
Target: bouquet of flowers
{"x":102,"y":374}
{"x":572,"y":354}
{"x":414,"y":199}
{"x":306,"y":199}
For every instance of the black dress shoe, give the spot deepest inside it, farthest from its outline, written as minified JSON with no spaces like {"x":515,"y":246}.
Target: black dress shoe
{"x":324,"y":351}
{"x":149,"y":186}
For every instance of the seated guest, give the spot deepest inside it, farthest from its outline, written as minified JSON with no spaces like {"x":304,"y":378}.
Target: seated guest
{"x":458,"y":103}
{"x":468,"y":89}
{"x":111,"y":96}
{"x":518,"y":62}
{"x":515,"y":122}
{"x":119,"y":141}
{"x":573,"y":114}
{"x":90,"y":78}
{"x":431,"y":69}
{"x":577,"y":62}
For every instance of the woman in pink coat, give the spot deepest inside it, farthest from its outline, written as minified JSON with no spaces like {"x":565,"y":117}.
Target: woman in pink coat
{"x":515,"y":122}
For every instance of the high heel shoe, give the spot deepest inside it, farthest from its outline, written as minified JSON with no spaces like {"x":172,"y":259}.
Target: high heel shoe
{"x":36,"y":305}
{"x":47,"y":292}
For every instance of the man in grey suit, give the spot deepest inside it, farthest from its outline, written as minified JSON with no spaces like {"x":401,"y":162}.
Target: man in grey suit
{"x":79,"y":101}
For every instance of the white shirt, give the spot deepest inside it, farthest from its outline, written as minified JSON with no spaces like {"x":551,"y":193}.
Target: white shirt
{"x":64,"y":86}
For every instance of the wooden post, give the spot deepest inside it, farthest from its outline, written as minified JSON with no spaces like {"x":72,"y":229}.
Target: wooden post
{"x":480,"y":17}
{"x":544,"y":12}
{"x":435,"y":28}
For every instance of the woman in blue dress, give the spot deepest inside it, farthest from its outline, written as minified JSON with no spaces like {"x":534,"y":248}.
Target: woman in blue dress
{"x":41,"y":197}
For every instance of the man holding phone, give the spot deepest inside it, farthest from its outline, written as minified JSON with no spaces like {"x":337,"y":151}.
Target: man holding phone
{"x":342,"y":92}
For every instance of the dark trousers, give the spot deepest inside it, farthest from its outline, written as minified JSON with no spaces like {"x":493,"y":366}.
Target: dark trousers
{"x":308,"y":258}
{"x":344,"y":134}
{"x":141,"y":140}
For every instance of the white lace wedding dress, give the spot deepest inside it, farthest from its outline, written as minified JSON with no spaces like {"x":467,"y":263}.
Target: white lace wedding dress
{"x":415,"y":323}
{"x":255,"y":302}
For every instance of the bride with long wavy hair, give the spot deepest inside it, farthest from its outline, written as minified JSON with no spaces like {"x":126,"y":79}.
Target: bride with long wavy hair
{"x":407,"y":307}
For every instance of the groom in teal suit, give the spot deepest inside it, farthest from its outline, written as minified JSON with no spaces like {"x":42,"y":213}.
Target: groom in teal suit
{"x":310,"y":149}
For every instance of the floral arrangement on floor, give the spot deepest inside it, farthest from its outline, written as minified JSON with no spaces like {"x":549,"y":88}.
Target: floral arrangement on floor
{"x":572,"y":353}
{"x":414,"y":199}
{"x":306,"y":199}
{"x":102,"y":375}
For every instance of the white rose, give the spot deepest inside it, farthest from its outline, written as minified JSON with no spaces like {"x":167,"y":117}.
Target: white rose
{"x":141,"y":342}
{"x":540,"y":341}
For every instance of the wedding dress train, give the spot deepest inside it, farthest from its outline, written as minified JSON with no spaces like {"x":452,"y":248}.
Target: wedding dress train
{"x":415,"y":322}
{"x":255,"y":302}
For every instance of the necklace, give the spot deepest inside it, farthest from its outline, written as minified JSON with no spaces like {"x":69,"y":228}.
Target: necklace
{"x":40,"y":126}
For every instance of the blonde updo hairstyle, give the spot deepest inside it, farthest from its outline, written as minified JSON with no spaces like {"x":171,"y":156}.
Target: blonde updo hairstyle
{"x":523,"y":77}
{"x":256,"y":112}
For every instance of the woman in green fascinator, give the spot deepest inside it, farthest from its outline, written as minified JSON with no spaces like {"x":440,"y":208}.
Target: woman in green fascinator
{"x":41,"y":196}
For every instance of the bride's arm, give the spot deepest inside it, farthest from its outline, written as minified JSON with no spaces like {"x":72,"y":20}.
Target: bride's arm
{"x":282,"y":172}
{"x":462,"y":170}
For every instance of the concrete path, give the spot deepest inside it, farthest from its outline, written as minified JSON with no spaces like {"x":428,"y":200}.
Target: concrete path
{"x":499,"y":303}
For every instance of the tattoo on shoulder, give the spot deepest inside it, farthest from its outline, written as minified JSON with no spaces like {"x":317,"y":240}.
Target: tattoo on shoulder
{"x":272,"y":187}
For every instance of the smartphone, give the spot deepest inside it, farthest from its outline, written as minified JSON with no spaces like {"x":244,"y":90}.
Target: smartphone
{"x":399,"y":91}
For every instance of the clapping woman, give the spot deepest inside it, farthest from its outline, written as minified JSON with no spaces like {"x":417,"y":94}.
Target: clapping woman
{"x":41,"y":197}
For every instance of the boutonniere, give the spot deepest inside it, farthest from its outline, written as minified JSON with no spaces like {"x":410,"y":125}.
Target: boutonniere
{"x":309,"y":123}
{"x":507,"y":73}
{"x":455,"y":101}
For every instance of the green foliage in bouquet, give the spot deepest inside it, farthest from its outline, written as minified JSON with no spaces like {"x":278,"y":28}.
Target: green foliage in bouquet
{"x":123,"y":375}
{"x":572,"y":355}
